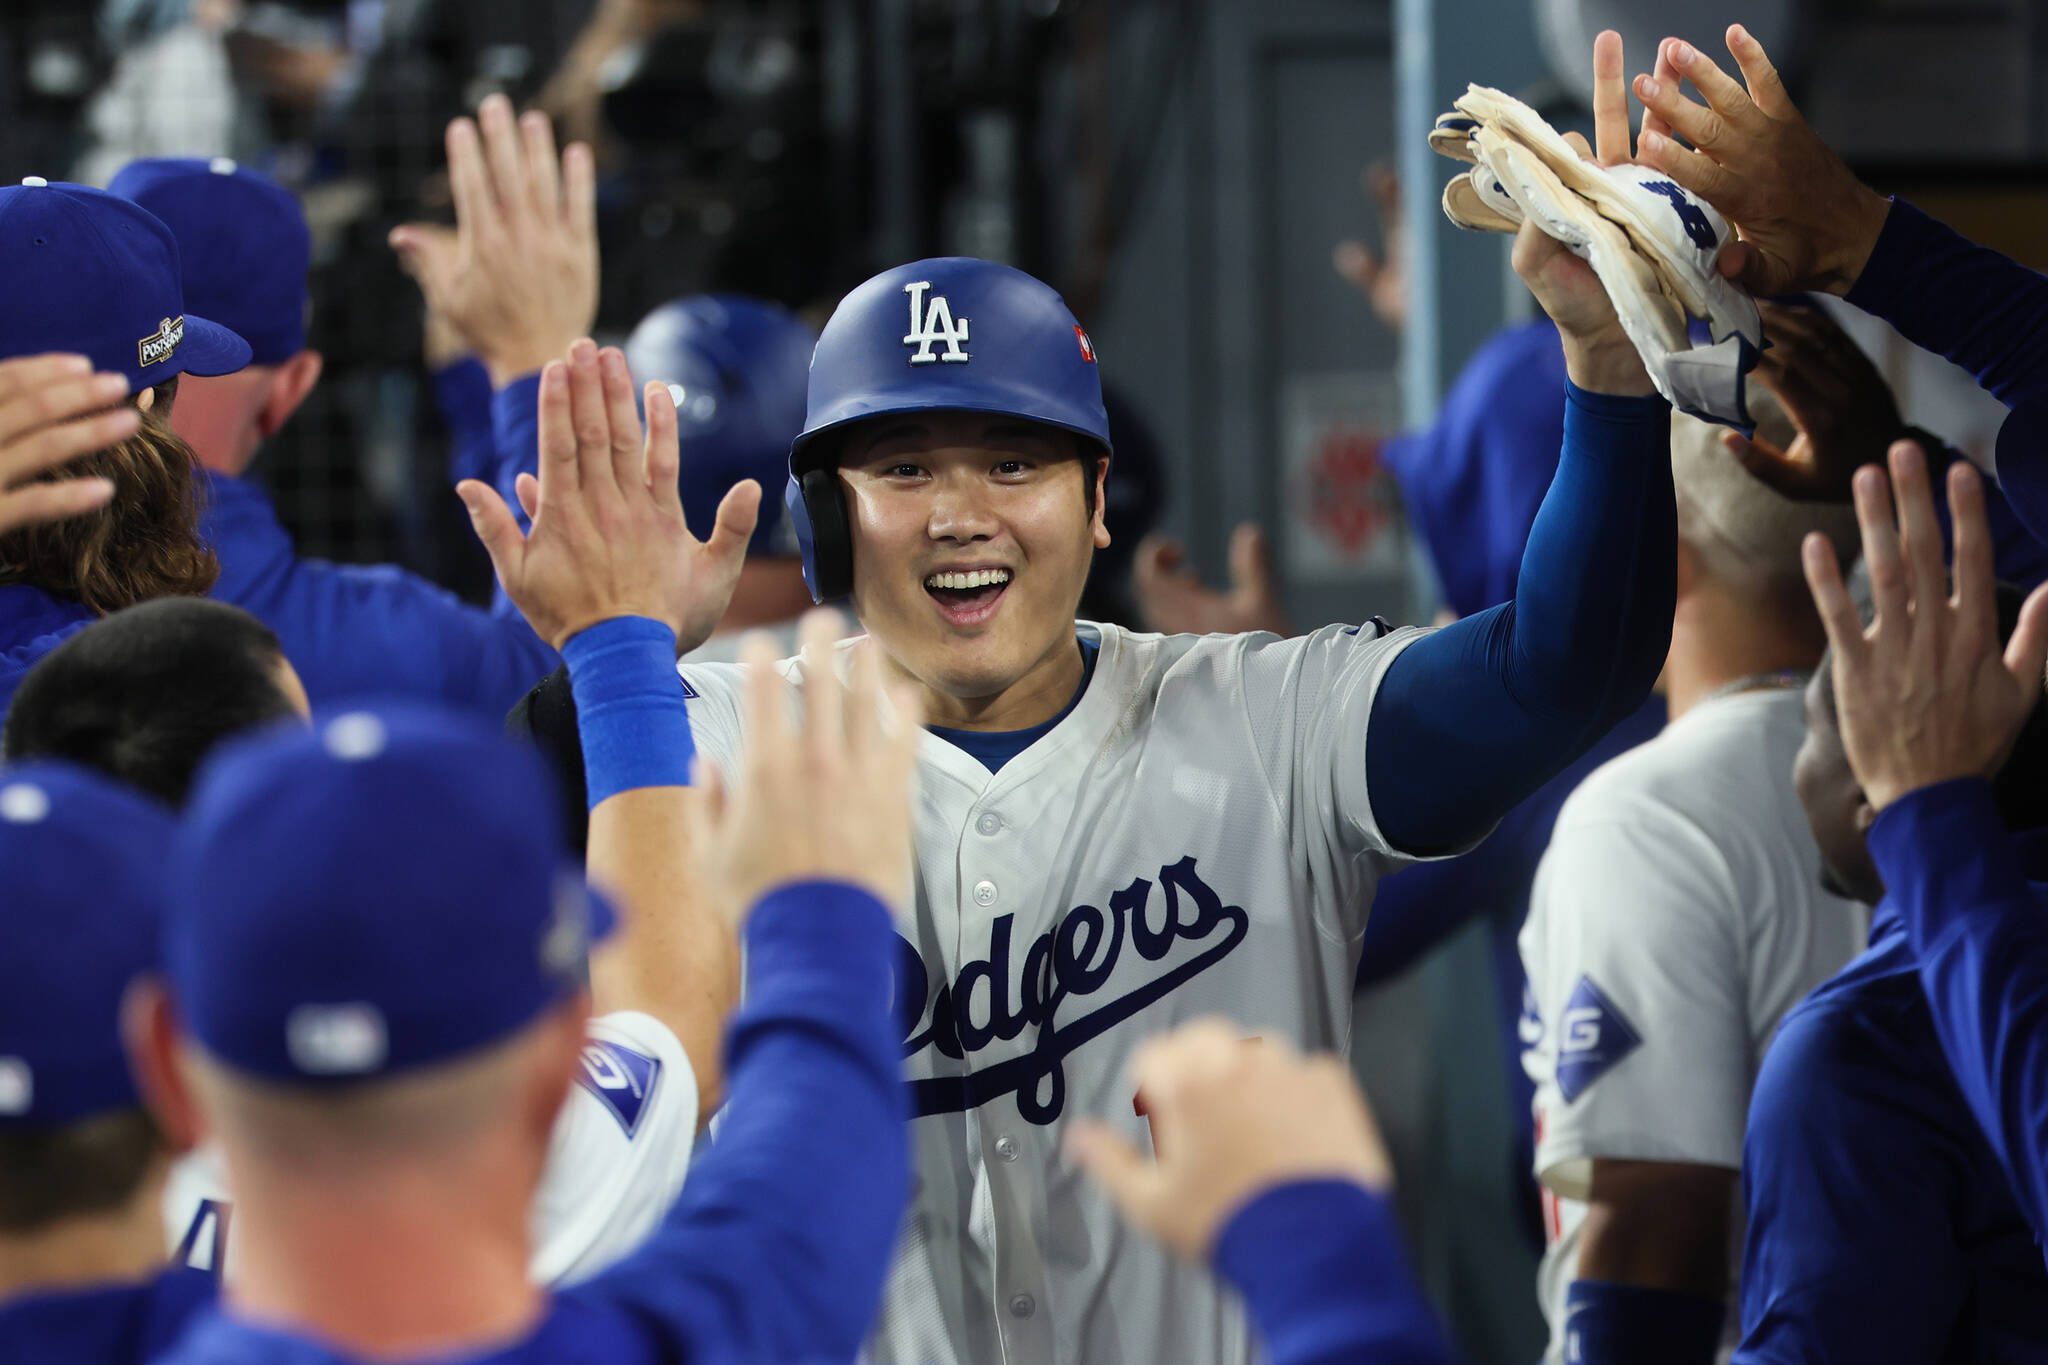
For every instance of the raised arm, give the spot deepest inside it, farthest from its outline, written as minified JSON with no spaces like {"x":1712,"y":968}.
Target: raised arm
{"x":607,"y":574}
{"x":1476,"y":716}
{"x":779,"y":1245}
{"x":1807,"y":222}
{"x":1929,"y":710}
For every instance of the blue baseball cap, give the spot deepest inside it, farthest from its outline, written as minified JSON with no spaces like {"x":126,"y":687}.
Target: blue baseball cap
{"x":85,"y":862}
{"x":91,"y":273}
{"x":383,"y":890}
{"x":738,"y":369}
{"x":243,"y":240}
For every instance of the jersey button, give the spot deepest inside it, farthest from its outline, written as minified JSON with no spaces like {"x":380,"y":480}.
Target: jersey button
{"x":989,"y":822}
{"x":1006,"y":1147}
{"x":984,"y":893}
{"x":1023,"y":1306}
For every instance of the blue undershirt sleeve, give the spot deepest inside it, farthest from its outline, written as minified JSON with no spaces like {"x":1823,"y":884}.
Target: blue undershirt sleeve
{"x":462,"y":393}
{"x":1625,"y":1324}
{"x":1965,"y":302}
{"x":1323,"y":1272}
{"x":1980,"y":932}
{"x":515,"y":437}
{"x":1472,"y":718}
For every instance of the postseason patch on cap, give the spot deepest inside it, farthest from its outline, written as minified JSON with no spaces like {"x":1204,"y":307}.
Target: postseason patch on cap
{"x":161,"y":344}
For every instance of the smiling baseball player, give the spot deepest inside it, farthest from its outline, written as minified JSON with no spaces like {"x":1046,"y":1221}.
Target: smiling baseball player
{"x":1118,"y":832}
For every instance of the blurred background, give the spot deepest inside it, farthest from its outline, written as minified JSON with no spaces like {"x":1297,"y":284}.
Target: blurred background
{"x":1182,"y":170}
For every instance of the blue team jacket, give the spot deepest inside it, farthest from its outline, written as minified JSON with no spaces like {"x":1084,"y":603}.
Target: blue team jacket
{"x":1881,"y":1226}
{"x":778,"y":1247}
{"x":353,"y":630}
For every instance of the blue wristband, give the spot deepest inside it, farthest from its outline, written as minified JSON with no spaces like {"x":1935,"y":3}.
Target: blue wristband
{"x":1621,"y":1324}
{"x":629,"y":707}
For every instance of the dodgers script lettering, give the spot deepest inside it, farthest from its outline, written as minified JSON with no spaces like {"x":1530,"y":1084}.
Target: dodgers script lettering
{"x":993,"y":999}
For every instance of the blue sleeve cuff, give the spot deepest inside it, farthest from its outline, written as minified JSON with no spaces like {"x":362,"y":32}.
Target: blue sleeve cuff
{"x":1323,"y":1271}
{"x":1902,"y":244}
{"x":630,"y":711}
{"x":515,"y":436}
{"x":1618,"y":407}
{"x":1950,"y":835}
{"x":1624,"y":1324}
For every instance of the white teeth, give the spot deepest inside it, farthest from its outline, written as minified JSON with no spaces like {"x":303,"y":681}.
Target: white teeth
{"x":977,"y":578}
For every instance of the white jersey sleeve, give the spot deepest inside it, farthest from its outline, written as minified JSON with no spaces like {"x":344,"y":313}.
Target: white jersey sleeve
{"x":620,"y":1148}
{"x":1635,"y":950}
{"x":616,"y":1161}
{"x":1307,"y":703}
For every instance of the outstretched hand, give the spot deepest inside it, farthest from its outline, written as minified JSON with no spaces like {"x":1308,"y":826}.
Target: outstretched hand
{"x":1805,"y":220}
{"x":830,"y":799}
{"x":517,"y":278}
{"x":1231,"y":1118}
{"x":53,"y":409}
{"x":608,"y":537}
{"x":1174,"y":601}
{"x":1924,"y":694}
{"x":1599,"y":357}
{"x":1382,"y":276}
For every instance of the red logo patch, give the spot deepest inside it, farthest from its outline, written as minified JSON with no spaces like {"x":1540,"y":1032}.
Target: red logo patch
{"x":1087,"y":346}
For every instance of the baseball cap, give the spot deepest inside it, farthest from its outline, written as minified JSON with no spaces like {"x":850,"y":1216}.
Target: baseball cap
{"x":243,"y":241}
{"x":381,"y":891}
{"x":85,"y":859}
{"x":91,"y":273}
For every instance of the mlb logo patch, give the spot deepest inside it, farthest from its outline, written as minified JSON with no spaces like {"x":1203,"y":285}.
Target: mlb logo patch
{"x":621,"y":1079}
{"x":1592,"y":1035}
{"x":1087,"y":346}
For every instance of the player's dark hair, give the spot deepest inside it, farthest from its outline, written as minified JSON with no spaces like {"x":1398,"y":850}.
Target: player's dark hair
{"x":2021,"y":786}
{"x":94,"y":1166}
{"x":142,"y":543}
{"x":146,"y":693}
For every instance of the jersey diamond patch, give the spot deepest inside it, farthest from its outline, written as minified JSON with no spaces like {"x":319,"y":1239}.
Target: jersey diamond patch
{"x":621,"y":1079}
{"x":1592,"y":1036}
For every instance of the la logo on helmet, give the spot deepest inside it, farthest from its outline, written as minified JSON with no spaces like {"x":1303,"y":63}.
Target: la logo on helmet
{"x":932,"y":325}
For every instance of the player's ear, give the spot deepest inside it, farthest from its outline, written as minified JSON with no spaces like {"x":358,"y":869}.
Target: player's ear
{"x":149,"y":1029}
{"x":1100,"y":502}
{"x":294,"y":379}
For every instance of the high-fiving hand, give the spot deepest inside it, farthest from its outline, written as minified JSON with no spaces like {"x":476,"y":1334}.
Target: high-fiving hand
{"x":608,"y":535}
{"x":1805,"y":220}
{"x":1231,"y":1118}
{"x":517,"y":277}
{"x":830,"y":799}
{"x":1598,"y":354}
{"x":1924,"y":693}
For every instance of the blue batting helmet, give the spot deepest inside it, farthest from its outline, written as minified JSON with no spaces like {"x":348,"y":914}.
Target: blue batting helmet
{"x":948,"y":334}
{"x":737,"y":368}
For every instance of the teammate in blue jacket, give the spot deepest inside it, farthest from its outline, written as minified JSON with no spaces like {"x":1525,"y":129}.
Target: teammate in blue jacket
{"x":82,"y":1168}
{"x":349,"y":629}
{"x":89,"y":275}
{"x":384,"y":1093}
{"x":1880,"y":1223}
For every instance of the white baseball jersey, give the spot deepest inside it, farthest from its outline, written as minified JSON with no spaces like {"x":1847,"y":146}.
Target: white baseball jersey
{"x":1192,"y":838}
{"x":615,"y":1163}
{"x":1677,"y":914}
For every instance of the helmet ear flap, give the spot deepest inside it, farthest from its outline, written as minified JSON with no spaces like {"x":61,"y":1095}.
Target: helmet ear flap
{"x":817,"y":504}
